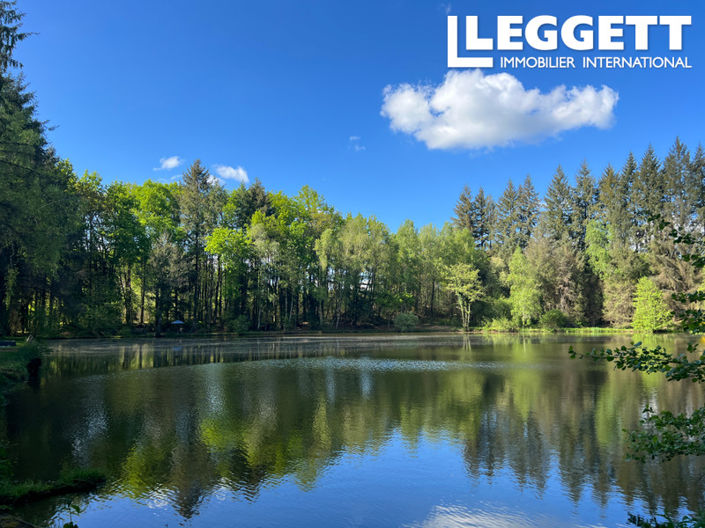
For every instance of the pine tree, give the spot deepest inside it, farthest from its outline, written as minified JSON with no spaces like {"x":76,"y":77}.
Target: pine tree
{"x":195,"y":200}
{"x":679,"y":186}
{"x":465,"y":210}
{"x":618,"y":307}
{"x":647,"y":197}
{"x":672,"y":274}
{"x":611,"y":206}
{"x":528,"y":210}
{"x":558,"y":214}
{"x":584,"y":198}
{"x":508,"y":220}
{"x":628,"y":175}
{"x":244,"y":202}
{"x":38,"y":208}
{"x":697,"y":173}
{"x":10,"y":34}
{"x":485,"y":218}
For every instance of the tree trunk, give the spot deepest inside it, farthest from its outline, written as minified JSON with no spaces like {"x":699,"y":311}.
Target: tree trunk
{"x":143,"y":290}
{"x":128,"y":296}
{"x":4,"y":317}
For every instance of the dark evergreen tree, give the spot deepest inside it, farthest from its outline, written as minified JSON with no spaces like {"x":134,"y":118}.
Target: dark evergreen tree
{"x":484,"y":219}
{"x":244,"y":202}
{"x":697,"y":174}
{"x":508,"y":220}
{"x":195,"y":201}
{"x":648,"y":197}
{"x":678,"y":206}
{"x":465,"y":210}
{"x":558,"y":213}
{"x":583,"y":209}
{"x":10,"y":34}
{"x":528,"y":210}
{"x":612,"y":205}
{"x":680,"y":186}
{"x":628,"y":175}
{"x":37,"y":205}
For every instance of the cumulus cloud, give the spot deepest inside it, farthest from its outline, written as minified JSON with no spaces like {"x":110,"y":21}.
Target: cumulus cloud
{"x":169,"y":163}
{"x":471,"y":110}
{"x":225,"y":173}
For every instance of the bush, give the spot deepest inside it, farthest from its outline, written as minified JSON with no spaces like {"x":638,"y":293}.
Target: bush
{"x":405,"y":321}
{"x":500,"y":324}
{"x":554,"y":319}
{"x":501,"y":308}
{"x":238,"y":325}
{"x":125,"y":331}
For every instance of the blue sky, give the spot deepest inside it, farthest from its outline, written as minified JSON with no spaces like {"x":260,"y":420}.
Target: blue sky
{"x":279,"y":88}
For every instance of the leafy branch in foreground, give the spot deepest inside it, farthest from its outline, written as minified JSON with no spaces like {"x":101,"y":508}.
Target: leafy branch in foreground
{"x":664,"y":435}
{"x":638,"y":358}
{"x":689,"y":521}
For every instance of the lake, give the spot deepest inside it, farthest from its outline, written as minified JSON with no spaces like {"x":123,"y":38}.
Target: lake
{"x":418,"y":431}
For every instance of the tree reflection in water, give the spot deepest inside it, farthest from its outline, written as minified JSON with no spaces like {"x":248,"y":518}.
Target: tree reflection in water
{"x":260,"y":411}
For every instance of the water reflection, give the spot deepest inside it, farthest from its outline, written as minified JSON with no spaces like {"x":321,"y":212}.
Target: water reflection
{"x":228,"y":430}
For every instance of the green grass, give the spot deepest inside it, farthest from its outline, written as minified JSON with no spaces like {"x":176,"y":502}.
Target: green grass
{"x":587,"y":330}
{"x":74,"y":481}
{"x":596,"y":330}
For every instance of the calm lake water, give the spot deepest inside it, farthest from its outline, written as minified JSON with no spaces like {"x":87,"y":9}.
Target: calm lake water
{"x":432,"y":431}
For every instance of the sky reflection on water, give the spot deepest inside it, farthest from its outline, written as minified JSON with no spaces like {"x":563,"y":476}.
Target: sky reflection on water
{"x":347,"y":432}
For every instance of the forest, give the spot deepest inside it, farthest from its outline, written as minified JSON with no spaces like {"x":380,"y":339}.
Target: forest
{"x":79,"y":256}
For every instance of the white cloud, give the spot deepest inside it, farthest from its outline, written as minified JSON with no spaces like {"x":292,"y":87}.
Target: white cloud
{"x":225,"y":172}
{"x":471,"y":110}
{"x":169,"y":163}
{"x":355,"y":144}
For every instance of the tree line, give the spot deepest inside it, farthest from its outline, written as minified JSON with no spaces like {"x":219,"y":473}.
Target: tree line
{"x":80,"y":256}
{"x":84,"y":257}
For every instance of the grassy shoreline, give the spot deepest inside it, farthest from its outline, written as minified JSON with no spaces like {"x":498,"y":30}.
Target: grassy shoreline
{"x":420,"y":330}
{"x":18,"y":365}
{"x":73,"y":481}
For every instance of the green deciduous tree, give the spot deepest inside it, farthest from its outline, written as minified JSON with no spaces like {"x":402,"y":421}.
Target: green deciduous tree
{"x":525,"y":296}
{"x":650,"y":310}
{"x":464,"y":281}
